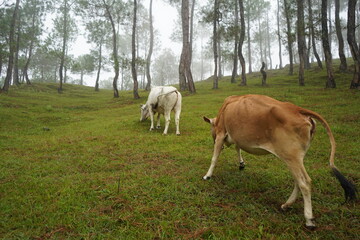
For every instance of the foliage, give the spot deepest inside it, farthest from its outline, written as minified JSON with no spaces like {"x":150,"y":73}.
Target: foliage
{"x":80,"y":165}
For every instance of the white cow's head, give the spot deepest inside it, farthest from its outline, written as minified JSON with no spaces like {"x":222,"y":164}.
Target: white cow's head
{"x":144,"y":112}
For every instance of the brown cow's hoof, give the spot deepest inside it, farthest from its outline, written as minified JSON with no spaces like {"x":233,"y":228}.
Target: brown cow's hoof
{"x":241,"y":166}
{"x":310,"y":228}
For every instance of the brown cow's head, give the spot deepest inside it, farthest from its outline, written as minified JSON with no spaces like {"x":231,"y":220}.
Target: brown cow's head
{"x":212,"y":123}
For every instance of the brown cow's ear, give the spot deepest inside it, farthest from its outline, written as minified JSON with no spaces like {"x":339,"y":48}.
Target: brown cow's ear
{"x":207,"y":119}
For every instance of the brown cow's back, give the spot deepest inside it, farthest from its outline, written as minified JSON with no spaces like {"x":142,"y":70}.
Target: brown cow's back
{"x":258,"y":123}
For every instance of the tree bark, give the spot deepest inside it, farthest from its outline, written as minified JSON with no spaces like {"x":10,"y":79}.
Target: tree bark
{"x":343,"y":64}
{"x":351,"y":38}
{"x":133,"y":53}
{"x":289,"y":36}
{"x":330,"y":83}
{"x":312,"y":32}
{"x":241,"y":42}
{"x":262,"y":70}
{"x":278,"y":33}
{"x":190,"y":80}
{"x":16,"y":77}
{"x":148,"y":59}
{"x":185,"y":39}
{"x":236,"y":43}
{"x":115,"y":55}
{"x":9,"y":71}
{"x":301,"y":40}
{"x":249,"y":40}
{"x":99,"y":67}
{"x":215,"y":50}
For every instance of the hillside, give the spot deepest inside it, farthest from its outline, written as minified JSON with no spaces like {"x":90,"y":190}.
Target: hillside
{"x":80,"y":165}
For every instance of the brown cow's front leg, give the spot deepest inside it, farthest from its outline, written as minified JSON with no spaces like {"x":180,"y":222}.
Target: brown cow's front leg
{"x":219,"y":141}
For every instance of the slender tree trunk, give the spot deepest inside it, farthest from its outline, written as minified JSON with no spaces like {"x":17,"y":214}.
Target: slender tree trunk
{"x":241,"y":42}
{"x":261,"y":42}
{"x":289,"y":36}
{"x":133,"y":60}
{"x":190,"y":80}
{"x":8,"y":77}
{"x":343,"y":64}
{"x":278,"y":33}
{"x":249,"y":40}
{"x":330,"y":83}
{"x":262,"y":70}
{"x":63,"y":49}
{"x":185,"y":39}
{"x":301,"y":40}
{"x":215,"y":50}
{"x":16,"y":77}
{"x":99,"y":67}
{"x":236,"y":43}
{"x":312,"y":32}
{"x":268,"y":39}
{"x":351,"y":38}
{"x":115,"y":54}
{"x":148,"y":59}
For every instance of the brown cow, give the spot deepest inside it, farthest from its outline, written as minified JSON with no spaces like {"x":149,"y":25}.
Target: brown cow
{"x":261,"y":125}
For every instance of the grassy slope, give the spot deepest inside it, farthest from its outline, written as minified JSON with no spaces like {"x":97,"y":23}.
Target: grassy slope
{"x":81,"y":166}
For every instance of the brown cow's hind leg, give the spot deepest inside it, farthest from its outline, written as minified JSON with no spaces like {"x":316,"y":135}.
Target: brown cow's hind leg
{"x":292,"y":197}
{"x":219,"y":141}
{"x":303,"y":181}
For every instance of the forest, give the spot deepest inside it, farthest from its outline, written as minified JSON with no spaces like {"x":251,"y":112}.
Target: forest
{"x":216,"y":38}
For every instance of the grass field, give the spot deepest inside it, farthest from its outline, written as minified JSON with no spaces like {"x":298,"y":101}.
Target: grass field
{"x":80,"y":165}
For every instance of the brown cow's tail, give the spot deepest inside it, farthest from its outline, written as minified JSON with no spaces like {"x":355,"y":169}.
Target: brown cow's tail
{"x":349,"y":188}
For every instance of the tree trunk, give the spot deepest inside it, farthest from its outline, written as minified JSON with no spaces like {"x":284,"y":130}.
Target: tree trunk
{"x":262,"y":70}
{"x":9,"y":71}
{"x":330,"y":83}
{"x":301,"y":40}
{"x":249,"y":40}
{"x":278,"y":33}
{"x":236,"y":43}
{"x":16,"y":77}
{"x":215,"y":50}
{"x":343,"y":64}
{"x":133,"y":53}
{"x":289,"y":36}
{"x":190,"y":80}
{"x":99,"y":67}
{"x":268,"y":39}
{"x":312,"y":32}
{"x":63,"y":49}
{"x":148,"y":59}
{"x":241,"y":42}
{"x":115,"y":55}
{"x":185,"y":39}
{"x":351,"y":38}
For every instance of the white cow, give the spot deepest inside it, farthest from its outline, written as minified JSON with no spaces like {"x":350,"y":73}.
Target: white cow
{"x":162,"y":100}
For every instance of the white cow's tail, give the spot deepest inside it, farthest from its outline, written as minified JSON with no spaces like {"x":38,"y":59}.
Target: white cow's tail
{"x":349,"y":188}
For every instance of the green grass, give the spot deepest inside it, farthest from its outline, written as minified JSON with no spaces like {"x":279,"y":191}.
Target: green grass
{"x":80,"y":165}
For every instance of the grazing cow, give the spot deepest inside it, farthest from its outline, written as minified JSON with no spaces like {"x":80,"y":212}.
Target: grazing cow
{"x":261,"y":125}
{"x":162,"y":100}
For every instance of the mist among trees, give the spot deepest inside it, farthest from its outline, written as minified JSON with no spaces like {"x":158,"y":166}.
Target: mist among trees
{"x":216,"y":38}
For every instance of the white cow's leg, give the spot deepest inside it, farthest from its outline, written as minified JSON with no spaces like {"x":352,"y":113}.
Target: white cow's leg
{"x":167,"y":121}
{"x":177,"y":121}
{"x":158,"y":121}
{"x":304,"y":183}
{"x":292,"y":198}
{"x":217,"y":149}
{"x":151,"y":113}
{"x":241,"y":160}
